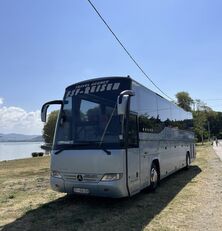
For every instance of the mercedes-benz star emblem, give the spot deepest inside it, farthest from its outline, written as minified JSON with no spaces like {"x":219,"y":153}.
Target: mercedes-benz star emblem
{"x":79,"y":178}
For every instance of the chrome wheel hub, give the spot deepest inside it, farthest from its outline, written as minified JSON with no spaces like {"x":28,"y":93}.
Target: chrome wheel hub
{"x":154,"y":177}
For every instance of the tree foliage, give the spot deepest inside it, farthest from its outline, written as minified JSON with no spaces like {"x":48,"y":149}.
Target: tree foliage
{"x":49,"y":127}
{"x":184,"y":100}
{"x":200,"y":119}
{"x":206,"y":121}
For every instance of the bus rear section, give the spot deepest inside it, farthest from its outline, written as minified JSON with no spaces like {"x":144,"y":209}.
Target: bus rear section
{"x":165,"y":133}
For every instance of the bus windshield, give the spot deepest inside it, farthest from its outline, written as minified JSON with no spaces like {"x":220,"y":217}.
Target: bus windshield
{"x":88,"y":121}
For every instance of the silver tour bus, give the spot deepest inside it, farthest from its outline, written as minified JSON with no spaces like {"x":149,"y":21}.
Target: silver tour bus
{"x":114,"y":137}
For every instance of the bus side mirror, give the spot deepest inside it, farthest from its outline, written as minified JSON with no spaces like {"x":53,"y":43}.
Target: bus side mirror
{"x":45,"y":108}
{"x":122,"y":101}
{"x":44,"y":112}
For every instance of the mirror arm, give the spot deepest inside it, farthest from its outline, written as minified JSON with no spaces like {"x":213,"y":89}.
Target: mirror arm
{"x":120,"y":106}
{"x":45,"y":108}
{"x":52,"y":102}
{"x":125,"y":92}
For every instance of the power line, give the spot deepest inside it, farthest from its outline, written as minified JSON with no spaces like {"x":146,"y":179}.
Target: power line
{"x":128,"y":53}
{"x":212,"y":99}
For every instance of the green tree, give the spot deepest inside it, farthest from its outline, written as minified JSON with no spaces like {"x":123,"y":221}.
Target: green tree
{"x":184,"y":100}
{"x":201,"y":106}
{"x":200,"y":121}
{"x":215,"y":123}
{"x":207,"y":123}
{"x":49,"y":127}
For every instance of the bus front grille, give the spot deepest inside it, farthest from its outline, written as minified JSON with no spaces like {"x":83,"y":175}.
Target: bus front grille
{"x":81,"y":177}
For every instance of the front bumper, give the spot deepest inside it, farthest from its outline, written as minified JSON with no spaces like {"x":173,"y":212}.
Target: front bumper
{"x":113,"y":189}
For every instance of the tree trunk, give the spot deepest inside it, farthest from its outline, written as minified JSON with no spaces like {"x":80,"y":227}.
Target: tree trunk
{"x":202,"y":138}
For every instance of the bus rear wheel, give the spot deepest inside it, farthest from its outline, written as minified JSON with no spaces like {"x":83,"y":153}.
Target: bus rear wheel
{"x":154,"y":177}
{"x":187,"y":161}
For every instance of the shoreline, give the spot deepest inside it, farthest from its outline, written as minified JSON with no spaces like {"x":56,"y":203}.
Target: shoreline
{"x":19,"y":150}
{"x":25,"y":158}
{"x":21,"y":141}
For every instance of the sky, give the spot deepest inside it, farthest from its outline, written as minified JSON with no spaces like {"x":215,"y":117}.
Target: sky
{"x":47,"y":45}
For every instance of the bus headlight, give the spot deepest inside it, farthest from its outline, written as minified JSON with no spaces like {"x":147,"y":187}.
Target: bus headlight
{"x":112,"y":176}
{"x":56,"y":174}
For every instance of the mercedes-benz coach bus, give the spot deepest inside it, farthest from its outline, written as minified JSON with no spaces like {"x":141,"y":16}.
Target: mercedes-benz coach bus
{"x":114,"y":137}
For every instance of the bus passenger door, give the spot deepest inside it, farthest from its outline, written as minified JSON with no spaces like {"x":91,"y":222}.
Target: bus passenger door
{"x":133,"y":155}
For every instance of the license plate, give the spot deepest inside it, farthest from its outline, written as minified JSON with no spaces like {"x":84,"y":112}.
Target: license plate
{"x":81,"y":190}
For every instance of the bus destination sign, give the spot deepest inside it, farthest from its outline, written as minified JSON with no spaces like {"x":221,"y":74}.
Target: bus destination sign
{"x":93,"y":87}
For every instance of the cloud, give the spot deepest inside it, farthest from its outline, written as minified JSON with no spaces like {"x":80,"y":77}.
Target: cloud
{"x":17,"y":120}
{"x":1,"y":100}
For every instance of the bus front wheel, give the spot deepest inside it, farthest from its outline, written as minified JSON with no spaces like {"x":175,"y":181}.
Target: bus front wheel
{"x":154,"y":177}
{"x":187,"y":161}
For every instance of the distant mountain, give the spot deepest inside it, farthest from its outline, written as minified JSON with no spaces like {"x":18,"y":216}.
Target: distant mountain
{"x":37,"y":139}
{"x":14,"y":137}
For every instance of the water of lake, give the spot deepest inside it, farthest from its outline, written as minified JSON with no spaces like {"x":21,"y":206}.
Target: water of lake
{"x":18,"y":150}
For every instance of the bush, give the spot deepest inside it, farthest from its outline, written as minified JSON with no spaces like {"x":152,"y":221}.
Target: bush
{"x":34,"y":154}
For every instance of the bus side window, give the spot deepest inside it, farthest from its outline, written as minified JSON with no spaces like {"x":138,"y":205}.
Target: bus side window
{"x":133,"y":131}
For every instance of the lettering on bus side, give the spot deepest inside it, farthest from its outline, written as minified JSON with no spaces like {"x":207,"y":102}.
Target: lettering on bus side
{"x":94,"y":87}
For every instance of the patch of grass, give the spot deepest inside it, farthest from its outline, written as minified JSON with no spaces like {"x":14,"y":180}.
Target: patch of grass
{"x":34,"y":205}
{"x":11,"y":196}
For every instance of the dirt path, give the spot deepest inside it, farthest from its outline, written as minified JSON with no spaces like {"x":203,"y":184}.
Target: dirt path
{"x":187,"y":200}
{"x":218,"y":149}
{"x":199,"y":205}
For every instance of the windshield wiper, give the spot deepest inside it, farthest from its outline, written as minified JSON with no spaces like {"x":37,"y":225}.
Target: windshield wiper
{"x":69,"y":145}
{"x":60,"y":150}
{"x":107,"y":125}
{"x":106,"y":151}
{"x":85,"y":144}
{"x":99,"y":143}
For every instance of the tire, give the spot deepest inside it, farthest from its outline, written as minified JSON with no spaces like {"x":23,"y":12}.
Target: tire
{"x":154,"y":177}
{"x":187,"y":161}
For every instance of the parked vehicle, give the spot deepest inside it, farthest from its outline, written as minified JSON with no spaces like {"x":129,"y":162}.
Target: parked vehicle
{"x":114,"y":137}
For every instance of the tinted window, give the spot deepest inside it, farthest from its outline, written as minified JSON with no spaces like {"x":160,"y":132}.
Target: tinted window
{"x":146,"y":105}
{"x":181,"y":119}
{"x":164,"y":111}
{"x":132,"y":131}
